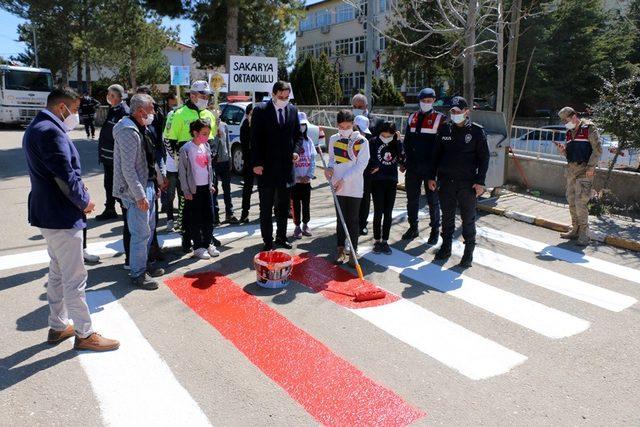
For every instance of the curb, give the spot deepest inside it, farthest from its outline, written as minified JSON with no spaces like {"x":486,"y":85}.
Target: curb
{"x":610,"y":240}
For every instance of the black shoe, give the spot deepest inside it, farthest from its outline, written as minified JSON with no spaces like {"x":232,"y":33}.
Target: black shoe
{"x":433,"y":237}
{"x":377,"y":247}
{"x":144,"y":281}
{"x":445,"y":251}
{"x":282,"y":243}
{"x":231,"y":219}
{"x":107,"y":215}
{"x":216,"y":220}
{"x":364,"y":231}
{"x":268,"y":246}
{"x":186,"y":245}
{"x":155,"y":271}
{"x":215,"y":242}
{"x":385,"y":248}
{"x":244,"y":219}
{"x":467,"y":257}
{"x":411,"y":233}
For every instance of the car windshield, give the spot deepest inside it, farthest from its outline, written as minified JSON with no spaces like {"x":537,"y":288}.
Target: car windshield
{"x":28,"y":80}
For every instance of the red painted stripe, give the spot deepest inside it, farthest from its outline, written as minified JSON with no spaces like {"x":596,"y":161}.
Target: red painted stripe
{"x":334,"y":282}
{"x":328,"y":387}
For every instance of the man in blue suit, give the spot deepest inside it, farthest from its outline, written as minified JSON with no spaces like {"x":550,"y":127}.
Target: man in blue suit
{"x":58,"y":203}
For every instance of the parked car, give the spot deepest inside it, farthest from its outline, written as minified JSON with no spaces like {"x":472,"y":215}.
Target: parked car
{"x":542,"y":141}
{"x":232,"y":114}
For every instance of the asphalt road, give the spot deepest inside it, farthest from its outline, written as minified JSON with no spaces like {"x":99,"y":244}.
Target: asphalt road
{"x":536,"y":333}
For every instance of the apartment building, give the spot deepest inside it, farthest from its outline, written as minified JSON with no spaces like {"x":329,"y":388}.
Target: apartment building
{"x":337,"y":28}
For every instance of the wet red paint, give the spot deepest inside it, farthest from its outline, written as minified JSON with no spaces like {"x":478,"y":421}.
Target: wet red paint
{"x":329,"y":388}
{"x":334,"y":282}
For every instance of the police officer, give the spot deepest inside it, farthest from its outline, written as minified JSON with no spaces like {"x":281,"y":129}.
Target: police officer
{"x":177,"y":134}
{"x":419,"y":145}
{"x":460,"y":163}
{"x":583,"y":150}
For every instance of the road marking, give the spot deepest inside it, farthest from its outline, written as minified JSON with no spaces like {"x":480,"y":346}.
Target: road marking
{"x":133,"y":385}
{"x":327,"y":386}
{"x":458,"y":348}
{"x":548,"y":279}
{"x":574,"y":258}
{"x":545,"y":320}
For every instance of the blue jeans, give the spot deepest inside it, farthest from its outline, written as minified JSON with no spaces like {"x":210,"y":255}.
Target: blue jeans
{"x":141,"y":225}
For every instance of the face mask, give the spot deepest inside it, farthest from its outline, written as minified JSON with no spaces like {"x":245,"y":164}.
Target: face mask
{"x":303,"y":128}
{"x":426,"y":106}
{"x":570,"y":126}
{"x":386,"y":140}
{"x":149,"y":120}
{"x":201,"y":139}
{"x":345,"y":133}
{"x":71,"y":121}
{"x":457,"y":118}
{"x":279,"y":103}
{"x":358,"y":111}
{"x":202,"y":103}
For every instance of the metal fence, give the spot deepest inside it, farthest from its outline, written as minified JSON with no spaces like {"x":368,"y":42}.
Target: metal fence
{"x":537,"y":142}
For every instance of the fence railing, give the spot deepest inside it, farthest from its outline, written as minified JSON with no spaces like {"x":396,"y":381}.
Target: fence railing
{"x":537,"y":142}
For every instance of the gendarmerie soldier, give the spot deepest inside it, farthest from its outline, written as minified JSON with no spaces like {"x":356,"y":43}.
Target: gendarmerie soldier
{"x":583,"y":150}
{"x":460,"y":163}
{"x":419,"y":145}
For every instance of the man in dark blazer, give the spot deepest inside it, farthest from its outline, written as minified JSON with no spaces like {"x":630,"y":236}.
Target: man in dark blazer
{"x":58,"y":203}
{"x":275,"y":138}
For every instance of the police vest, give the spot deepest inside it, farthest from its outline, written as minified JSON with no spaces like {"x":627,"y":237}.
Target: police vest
{"x":578,"y":146}
{"x":178,"y":127}
{"x":429,"y":125}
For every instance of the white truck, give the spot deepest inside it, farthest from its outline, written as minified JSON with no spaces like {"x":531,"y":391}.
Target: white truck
{"x":23,"y":93}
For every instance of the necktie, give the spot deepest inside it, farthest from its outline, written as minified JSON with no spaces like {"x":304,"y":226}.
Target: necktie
{"x":281,"y":117}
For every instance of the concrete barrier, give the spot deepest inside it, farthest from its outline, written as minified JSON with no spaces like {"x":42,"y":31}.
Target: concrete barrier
{"x":550,"y":177}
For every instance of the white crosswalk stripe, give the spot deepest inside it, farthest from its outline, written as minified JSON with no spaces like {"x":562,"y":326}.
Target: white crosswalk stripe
{"x":530,"y":314}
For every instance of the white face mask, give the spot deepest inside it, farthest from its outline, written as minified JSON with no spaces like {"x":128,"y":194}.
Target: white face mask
{"x":386,"y":140}
{"x":149,"y":120}
{"x":458,"y":118}
{"x":426,"y":106}
{"x":71,"y":121}
{"x":279,"y":103}
{"x":345,"y":133}
{"x":359,"y":112}
{"x":570,"y":125}
{"x":202,"y":103}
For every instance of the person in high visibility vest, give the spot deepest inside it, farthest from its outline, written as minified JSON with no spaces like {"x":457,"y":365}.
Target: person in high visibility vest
{"x":177,"y":134}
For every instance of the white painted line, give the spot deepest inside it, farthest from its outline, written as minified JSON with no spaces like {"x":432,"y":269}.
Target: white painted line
{"x":458,"y":348}
{"x":574,"y":258}
{"x":133,"y":385}
{"x":548,"y":279}
{"x":545,"y":320}
{"x":519,"y":216}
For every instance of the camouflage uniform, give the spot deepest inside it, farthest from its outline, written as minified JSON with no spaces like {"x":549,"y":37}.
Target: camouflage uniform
{"x":583,"y":151}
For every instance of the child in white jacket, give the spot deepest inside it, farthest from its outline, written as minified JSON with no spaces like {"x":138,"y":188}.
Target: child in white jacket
{"x":303,"y":170}
{"x":348,"y":158}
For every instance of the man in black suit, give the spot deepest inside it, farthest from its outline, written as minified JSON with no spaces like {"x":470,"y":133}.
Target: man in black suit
{"x":275,"y":138}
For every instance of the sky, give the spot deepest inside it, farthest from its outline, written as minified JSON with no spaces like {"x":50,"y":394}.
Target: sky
{"x":9,"y":32}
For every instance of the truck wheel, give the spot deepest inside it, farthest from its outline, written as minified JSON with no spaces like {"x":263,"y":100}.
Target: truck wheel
{"x":237,"y":161}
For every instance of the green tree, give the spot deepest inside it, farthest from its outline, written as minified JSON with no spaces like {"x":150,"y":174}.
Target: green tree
{"x":316,"y":81}
{"x":384,"y":93}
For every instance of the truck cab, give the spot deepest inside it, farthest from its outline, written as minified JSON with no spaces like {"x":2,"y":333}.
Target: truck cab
{"x":23,"y":93}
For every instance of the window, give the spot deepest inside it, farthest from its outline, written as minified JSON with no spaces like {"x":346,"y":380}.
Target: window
{"x":346,"y":83}
{"x":232,"y":115}
{"x":384,"y":5}
{"x":305,"y":50}
{"x":321,"y":48}
{"x":323,"y":17}
{"x":382,"y":43}
{"x":28,"y":80}
{"x":344,"y":47}
{"x":358,"y":80}
{"x":308,"y":22}
{"x":344,"y":13}
{"x":358,"y":45}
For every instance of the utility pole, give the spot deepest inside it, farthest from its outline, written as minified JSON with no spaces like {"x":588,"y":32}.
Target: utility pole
{"x":35,"y":45}
{"x":370,"y":50}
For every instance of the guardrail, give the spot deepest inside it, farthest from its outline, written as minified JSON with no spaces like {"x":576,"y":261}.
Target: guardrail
{"x":537,"y":142}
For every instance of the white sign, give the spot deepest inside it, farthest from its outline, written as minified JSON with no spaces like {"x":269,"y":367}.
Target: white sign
{"x":253,"y":73}
{"x":219,"y":82}
{"x":180,"y":75}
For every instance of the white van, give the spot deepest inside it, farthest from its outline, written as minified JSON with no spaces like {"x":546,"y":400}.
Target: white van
{"x":23,"y":93}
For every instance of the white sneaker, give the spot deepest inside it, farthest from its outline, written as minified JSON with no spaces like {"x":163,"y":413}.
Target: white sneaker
{"x":170,"y":225}
{"x":213,"y":252}
{"x":90,"y":257}
{"x":201,"y":253}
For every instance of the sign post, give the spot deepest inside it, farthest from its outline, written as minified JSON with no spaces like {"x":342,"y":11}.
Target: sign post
{"x":252,"y":73}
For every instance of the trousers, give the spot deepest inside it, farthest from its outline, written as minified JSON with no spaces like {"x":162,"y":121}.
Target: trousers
{"x":350,"y":207}
{"x":453,"y":195}
{"x":271,"y":197}
{"x":578,"y":193}
{"x":384,"y":197}
{"x":413,"y":184}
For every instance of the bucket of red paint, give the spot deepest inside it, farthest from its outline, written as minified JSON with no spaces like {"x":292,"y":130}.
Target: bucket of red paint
{"x":273,"y":269}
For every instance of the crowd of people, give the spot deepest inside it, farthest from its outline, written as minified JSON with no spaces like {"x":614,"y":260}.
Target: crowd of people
{"x":149,"y":158}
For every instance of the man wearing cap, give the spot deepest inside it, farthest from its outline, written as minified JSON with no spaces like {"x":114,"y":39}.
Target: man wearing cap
{"x":419,"y":145}
{"x":583,"y":150}
{"x":460,"y":163}
{"x":118,"y":108}
{"x":177,"y":134}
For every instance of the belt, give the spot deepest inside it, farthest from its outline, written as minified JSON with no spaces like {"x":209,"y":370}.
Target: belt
{"x":578,"y":163}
